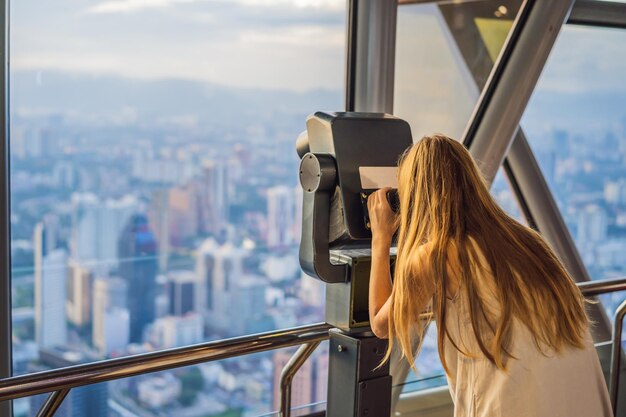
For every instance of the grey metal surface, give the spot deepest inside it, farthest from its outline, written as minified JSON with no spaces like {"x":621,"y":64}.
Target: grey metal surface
{"x":616,"y":354}
{"x":289,"y":371}
{"x":53,"y":402}
{"x":374,"y":56}
{"x":598,"y":13}
{"x":496,"y":117}
{"x":602,"y":286}
{"x":5,"y":207}
{"x":92,"y":373}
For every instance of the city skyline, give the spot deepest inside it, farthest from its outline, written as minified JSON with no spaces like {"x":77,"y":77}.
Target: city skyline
{"x":154,"y":189}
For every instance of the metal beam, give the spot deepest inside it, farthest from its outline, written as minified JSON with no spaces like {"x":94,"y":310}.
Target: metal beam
{"x":374,"y":47}
{"x":5,"y":208}
{"x":599,"y":14}
{"x":500,"y":107}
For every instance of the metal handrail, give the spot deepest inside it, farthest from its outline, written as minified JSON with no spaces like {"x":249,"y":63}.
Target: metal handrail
{"x":603,"y":286}
{"x":616,"y":355}
{"x":289,"y":371}
{"x":59,"y":380}
{"x":108,"y":370}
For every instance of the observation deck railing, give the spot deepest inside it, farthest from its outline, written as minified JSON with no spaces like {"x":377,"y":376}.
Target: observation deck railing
{"x":60,"y":381}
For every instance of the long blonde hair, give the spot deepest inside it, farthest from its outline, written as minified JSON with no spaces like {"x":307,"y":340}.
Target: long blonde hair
{"x":444,"y":204}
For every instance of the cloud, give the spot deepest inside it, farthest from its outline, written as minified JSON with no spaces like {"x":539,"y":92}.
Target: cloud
{"x":129,"y":6}
{"x":222,"y":42}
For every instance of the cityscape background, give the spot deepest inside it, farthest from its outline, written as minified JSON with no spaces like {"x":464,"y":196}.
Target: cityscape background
{"x":155,"y":201}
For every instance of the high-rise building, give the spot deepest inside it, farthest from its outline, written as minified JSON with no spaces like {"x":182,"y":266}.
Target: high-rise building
{"x":215,"y":197}
{"x":158,"y":216}
{"x":96,"y":227}
{"x":79,"y":293}
{"x":184,"y":213}
{"x":206,"y":257}
{"x":138,"y":266}
{"x":181,"y":292}
{"x":280,"y":217}
{"x":248,"y":294}
{"x":218,"y":268}
{"x":297,"y":223}
{"x":173,"y":331}
{"x":111,"y":319}
{"x":50,"y":292}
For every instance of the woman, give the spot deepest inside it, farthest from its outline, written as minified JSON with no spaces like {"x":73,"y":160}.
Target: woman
{"x":513,"y":335}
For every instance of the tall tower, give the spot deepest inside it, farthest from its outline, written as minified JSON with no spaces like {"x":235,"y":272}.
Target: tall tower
{"x":96,"y":227}
{"x":138,"y":266}
{"x":215,"y":196}
{"x":111,"y":321}
{"x":159,"y":216}
{"x":181,"y":290}
{"x":79,"y":292}
{"x":280,"y":217}
{"x":206,"y":256}
{"x":50,"y":292}
{"x":218,"y":269}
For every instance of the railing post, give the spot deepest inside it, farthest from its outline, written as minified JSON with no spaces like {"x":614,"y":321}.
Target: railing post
{"x":616,"y":354}
{"x":53,"y":402}
{"x":289,"y":371}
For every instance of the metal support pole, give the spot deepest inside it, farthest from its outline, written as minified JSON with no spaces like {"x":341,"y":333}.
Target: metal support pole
{"x":616,"y":354}
{"x":5,"y":208}
{"x":373,"y":47}
{"x":289,"y":371}
{"x":500,"y":107}
{"x":53,"y":402}
{"x":358,"y":385}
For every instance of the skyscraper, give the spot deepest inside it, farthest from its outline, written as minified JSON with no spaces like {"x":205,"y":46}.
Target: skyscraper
{"x":50,"y":292}
{"x":158,"y":215}
{"x":96,"y":227}
{"x":181,"y":292}
{"x":280,"y":217}
{"x":173,"y":331}
{"x":248,"y":294}
{"x":138,"y":266}
{"x":79,"y":293}
{"x":218,"y":269}
{"x":184,"y":212}
{"x":215,"y":196}
{"x":111,"y":320}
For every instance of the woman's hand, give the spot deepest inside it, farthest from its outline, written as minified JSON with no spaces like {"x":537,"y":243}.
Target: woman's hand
{"x":382,"y":219}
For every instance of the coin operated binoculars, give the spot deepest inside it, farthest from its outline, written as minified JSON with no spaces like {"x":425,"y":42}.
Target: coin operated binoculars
{"x":345,"y":157}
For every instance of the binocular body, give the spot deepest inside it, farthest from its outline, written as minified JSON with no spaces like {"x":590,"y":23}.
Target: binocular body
{"x":345,"y":157}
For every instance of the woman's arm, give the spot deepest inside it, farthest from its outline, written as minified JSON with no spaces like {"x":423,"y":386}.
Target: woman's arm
{"x":380,"y":287}
{"x":383,"y":225}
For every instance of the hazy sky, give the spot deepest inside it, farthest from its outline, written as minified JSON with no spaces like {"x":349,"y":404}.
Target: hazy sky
{"x":287,"y":44}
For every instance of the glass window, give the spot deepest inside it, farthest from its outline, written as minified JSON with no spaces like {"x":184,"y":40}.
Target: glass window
{"x":576,"y":126}
{"x":444,"y":54}
{"x":154,"y":182}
